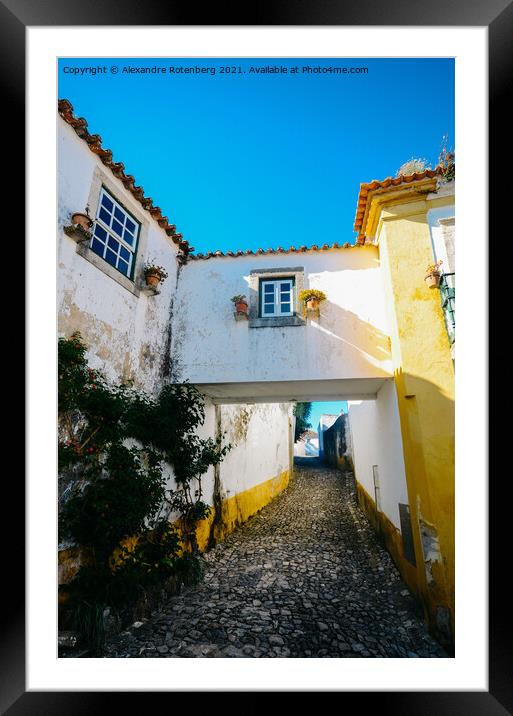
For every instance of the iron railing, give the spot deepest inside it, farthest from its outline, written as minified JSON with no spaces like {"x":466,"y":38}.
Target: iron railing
{"x":448,"y":298}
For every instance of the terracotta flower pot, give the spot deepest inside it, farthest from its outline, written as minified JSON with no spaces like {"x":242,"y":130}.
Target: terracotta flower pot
{"x":241,"y":307}
{"x":82,"y":220}
{"x":152,"y":279}
{"x":312,"y":304}
{"x":432,"y":280}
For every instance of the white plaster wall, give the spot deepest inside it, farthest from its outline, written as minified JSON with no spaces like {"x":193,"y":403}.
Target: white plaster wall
{"x":126,"y":334}
{"x":376,"y":440}
{"x":349,"y":340}
{"x":260,"y":436}
{"x":442,"y":237}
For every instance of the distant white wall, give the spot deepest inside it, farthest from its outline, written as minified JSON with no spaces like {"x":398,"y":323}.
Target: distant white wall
{"x":348,"y":341}
{"x":325,"y":422}
{"x":376,"y":438}
{"x":261,"y":437}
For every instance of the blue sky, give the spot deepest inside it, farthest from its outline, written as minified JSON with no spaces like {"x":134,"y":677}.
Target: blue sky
{"x":331,"y":408}
{"x":246,"y":160}
{"x":241,"y":161}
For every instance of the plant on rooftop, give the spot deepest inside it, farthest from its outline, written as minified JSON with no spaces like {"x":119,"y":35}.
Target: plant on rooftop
{"x":446,"y":161}
{"x":413,"y":166}
{"x":114,"y":445}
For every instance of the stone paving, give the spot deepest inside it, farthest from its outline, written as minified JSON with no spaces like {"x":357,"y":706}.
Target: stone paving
{"x":306,"y":577}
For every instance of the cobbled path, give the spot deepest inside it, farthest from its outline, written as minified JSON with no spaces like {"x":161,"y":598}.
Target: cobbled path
{"x":305,"y":577}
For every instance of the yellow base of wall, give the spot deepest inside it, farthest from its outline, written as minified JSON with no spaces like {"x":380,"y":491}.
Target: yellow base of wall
{"x":391,"y":536}
{"x":234,"y":512}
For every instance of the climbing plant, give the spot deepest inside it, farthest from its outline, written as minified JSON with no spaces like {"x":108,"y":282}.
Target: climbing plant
{"x":114,"y":445}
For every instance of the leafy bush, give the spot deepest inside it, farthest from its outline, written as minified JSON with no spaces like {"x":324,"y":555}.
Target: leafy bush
{"x":113,"y":444}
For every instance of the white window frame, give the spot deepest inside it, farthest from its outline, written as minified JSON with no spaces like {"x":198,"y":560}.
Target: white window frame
{"x":277,"y":302}
{"x":132,"y":250}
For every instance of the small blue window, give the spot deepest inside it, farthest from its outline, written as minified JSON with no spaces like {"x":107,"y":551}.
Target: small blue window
{"x":115,"y":234}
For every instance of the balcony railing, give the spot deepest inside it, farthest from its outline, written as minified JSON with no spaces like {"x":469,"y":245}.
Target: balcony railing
{"x":448,"y":297}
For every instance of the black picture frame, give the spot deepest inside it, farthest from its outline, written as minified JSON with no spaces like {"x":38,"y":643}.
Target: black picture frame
{"x":497,"y":16}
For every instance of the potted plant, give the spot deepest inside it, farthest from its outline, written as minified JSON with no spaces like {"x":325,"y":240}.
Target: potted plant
{"x":154,"y":274}
{"x":312,"y":298}
{"x":241,"y":305}
{"x":433,"y":273}
{"x":83,"y":220}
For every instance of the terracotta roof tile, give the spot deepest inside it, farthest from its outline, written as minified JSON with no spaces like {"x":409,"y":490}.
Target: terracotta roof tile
{"x":279,"y":250}
{"x":94,"y":141}
{"x":365,"y":189}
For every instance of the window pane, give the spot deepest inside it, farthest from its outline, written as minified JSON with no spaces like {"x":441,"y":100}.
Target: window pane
{"x":105,"y":216}
{"x":269,"y":308}
{"x":120,"y":216}
{"x":125,"y":253}
{"x":285,"y":287}
{"x":285,"y":296}
{"x":123,"y":267}
{"x":285,"y":307}
{"x":113,"y":244}
{"x":97,"y":246}
{"x":117,"y":227}
{"x":128,"y":237}
{"x":130,"y":225}
{"x":107,"y":202}
{"x":111,"y":257}
{"x":100,"y":232}
{"x":269,"y":288}
{"x":269,"y":298}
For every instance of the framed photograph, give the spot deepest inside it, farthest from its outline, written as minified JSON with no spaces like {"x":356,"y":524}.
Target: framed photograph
{"x":245,"y":147}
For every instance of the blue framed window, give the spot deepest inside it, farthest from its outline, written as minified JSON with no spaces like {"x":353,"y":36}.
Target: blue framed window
{"x":277,"y":297}
{"x":115,"y":234}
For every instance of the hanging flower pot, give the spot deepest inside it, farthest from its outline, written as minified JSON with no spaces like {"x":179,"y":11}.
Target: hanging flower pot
{"x":312,"y":304}
{"x":432,"y":280}
{"x":82,"y":220}
{"x":433,"y":275}
{"x":240,"y":303}
{"x":154,"y":274}
{"x":312,"y":298}
{"x":153,"y":279}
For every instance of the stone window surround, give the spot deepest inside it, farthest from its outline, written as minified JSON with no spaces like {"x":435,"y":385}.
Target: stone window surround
{"x":256,"y":321}
{"x":102,"y":179}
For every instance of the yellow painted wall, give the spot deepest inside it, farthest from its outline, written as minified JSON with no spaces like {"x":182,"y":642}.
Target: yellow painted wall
{"x":390,"y":535}
{"x":424,"y":376}
{"x":234,"y":512}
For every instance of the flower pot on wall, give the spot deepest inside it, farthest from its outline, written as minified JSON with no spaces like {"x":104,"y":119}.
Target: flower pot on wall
{"x":312,"y":304}
{"x":152,"y":279}
{"x":81,"y":220}
{"x":241,"y":307}
{"x":432,"y":280}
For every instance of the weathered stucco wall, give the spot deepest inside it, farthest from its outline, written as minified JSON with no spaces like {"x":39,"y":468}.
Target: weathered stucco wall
{"x":128,"y":334}
{"x":376,"y":433}
{"x":349,"y":340}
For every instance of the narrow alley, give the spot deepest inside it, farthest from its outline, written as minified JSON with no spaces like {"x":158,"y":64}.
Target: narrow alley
{"x":305,"y":577}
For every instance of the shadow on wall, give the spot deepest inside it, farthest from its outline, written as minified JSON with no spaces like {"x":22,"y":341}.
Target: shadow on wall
{"x":336,"y":444}
{"x":344,"y":330}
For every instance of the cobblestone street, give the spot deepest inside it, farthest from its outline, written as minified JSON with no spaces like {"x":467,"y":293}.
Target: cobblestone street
{"x":306,"y":577}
